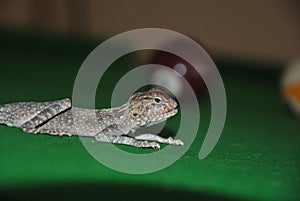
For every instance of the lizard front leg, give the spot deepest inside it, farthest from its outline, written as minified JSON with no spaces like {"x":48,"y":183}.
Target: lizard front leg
{"x":48,"y":113}
{"x":157,"y":138}
{"x":115,"y":139}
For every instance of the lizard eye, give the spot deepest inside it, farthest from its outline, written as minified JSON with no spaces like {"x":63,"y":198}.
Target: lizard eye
{"x":134,"y":114}
{"x":157,"y":100}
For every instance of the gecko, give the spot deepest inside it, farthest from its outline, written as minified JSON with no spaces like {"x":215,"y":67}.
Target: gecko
{"x":115,"y":125}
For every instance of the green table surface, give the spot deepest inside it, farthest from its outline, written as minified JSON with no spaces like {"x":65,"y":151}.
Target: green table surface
{"x":256,"y":158}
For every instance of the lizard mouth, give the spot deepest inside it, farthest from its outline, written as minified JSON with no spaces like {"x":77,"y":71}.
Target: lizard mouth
{"x":172,"y":112}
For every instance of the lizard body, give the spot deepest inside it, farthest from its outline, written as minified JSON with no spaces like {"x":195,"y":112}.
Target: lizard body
{"x":106,"y":125}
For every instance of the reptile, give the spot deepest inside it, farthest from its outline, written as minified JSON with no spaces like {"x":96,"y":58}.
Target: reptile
{"x":111,"y":125}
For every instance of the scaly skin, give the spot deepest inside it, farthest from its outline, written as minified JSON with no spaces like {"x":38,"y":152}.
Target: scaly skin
{"x":105,"y":125}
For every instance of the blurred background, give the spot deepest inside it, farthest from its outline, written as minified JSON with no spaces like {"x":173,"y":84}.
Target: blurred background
{"x":44,"y":42}
{"x":267,"y":30}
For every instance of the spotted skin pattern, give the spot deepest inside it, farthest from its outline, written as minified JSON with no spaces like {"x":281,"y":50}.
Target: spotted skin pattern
{"x":113,"y":125}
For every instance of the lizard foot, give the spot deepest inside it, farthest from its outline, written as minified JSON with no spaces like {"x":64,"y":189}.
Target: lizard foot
{"x":176,"y":142}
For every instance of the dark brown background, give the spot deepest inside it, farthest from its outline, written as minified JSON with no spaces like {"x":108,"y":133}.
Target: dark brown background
{"x":267,"y":30}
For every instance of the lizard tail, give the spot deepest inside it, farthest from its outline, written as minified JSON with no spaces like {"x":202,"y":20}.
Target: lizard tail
{"x":5,"y":117}
{"x":2,"y":120}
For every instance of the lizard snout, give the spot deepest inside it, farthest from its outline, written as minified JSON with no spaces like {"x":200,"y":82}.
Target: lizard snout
{"x":173,"y":104}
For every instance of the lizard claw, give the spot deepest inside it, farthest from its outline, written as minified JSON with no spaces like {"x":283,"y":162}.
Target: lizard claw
{"x":155,"y":145}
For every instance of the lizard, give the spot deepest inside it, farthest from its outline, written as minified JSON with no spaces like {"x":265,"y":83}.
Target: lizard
{"x":111,"y":125}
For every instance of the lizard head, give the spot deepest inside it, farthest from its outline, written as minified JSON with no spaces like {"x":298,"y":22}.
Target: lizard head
{"x":151,"y":107}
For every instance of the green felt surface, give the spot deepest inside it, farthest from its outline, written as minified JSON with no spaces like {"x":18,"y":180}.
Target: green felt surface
{"x":257,"y":157}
